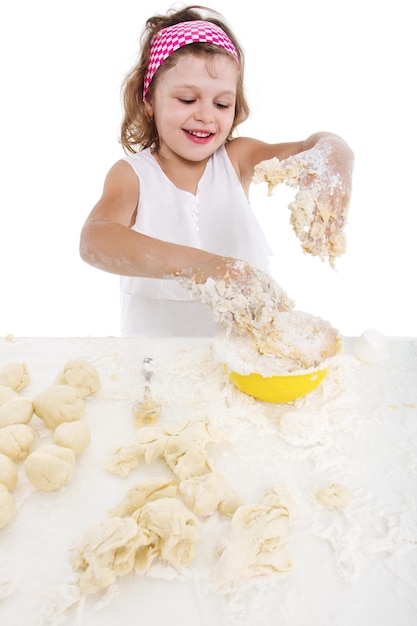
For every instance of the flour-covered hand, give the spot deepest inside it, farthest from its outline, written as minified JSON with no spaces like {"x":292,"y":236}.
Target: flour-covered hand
{"x":323,"y":176}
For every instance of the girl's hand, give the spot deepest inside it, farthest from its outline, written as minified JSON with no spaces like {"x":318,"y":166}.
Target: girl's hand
{"x":323,"y":175}
{"x":242,"y":298}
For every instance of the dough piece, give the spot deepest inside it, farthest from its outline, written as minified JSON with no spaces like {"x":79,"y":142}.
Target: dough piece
{"x":372,"y":347}
{"x":15,"y":375}
{"x":170,"y":532}
{"x":7,"y":506}
{"x":50,"y":467}
{"x":8,"y":472}
{"x":16,"y":441}
{"x":74,"y":435}
{"x":186,"y":457}
{"x":334,"y":496}
{"x":6,"y":393}
{"x":80,"y":374}
{"x":107,"y":550}
{"x":257,"y":544}
{"x":16,"y":410}
{"x":162,"y":528}
{"x":182,"y":447}
{"x":208,"y":493}
{"x":57,"y":404}
{"x":143,"y":492}
{"x":124,"y":459}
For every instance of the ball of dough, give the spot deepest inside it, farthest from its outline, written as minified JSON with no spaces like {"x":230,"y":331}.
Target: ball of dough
{"x":16,"y":410}
{"x":57,"y":404}
{"x":15,"y":375}
{"x":6,"y":393}
{"x":50,"y":467}
{"x":8,"y":472}
{"x":372,"y":347}
{"x":74,"y":435}
{"x":7,"y":506}
{"x":80,"y":374}
{"x":334,"y":496}
{"x":16,"y":441}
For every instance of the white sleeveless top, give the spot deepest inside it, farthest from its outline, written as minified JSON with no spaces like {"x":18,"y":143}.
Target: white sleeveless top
{"x":218,"y":218}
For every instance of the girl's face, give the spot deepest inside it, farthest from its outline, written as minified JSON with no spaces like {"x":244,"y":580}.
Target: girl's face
{"x":193,"y":105}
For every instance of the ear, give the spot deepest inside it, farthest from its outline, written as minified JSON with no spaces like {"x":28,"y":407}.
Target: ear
{"x":148,"y":109}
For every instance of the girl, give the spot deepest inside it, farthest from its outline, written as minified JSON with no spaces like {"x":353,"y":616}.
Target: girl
{"x":176,"y":208}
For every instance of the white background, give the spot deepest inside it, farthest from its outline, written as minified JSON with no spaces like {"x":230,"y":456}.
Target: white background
{"x":346,"y":67}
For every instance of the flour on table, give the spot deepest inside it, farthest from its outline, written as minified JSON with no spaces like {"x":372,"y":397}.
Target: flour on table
{"x":7,"y":587}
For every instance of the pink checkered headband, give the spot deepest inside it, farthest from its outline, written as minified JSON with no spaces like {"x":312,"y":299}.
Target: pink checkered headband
{"x":169,"y":39}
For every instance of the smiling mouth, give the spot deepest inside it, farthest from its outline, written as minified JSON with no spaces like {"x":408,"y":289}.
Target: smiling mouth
{"x":198,"y":134}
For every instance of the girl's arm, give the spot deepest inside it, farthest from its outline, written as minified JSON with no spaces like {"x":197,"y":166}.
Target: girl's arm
{"x":245,"y":153}
{"x":108,"y":243}
{"x":321,"y":168}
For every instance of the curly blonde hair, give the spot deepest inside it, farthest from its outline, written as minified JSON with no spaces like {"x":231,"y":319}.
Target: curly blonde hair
{"x":138,"y":131}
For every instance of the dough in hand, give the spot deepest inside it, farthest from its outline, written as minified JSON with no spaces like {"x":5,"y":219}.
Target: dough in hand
{"x":50,"y":467}
{"x":16,"y":441}
{"x":16,"y":410}
{"x":7,"y":506}
{"x":80,"y":374}
{"x":8,"y":472}
{"x":15,"y":375}
{"x":74,"y":435}
{"x":334,"y":496}
{"x":57,"y":404}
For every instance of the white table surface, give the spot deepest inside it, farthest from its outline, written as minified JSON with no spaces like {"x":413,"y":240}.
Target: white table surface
{"x":356,"y":567}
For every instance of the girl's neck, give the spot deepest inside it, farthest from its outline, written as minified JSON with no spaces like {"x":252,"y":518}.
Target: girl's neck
{"x":182,"y":173}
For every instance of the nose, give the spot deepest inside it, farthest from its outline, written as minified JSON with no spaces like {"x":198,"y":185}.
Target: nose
{"x":204,"y":111}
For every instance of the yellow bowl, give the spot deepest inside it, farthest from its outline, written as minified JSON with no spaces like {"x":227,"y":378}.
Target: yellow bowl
{"x":279,"y":388}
